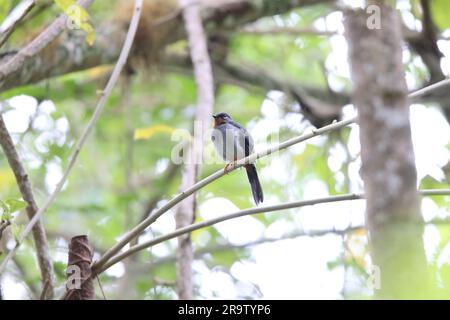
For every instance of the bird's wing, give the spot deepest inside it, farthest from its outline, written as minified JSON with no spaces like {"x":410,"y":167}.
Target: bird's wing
{"x":244,"y":139}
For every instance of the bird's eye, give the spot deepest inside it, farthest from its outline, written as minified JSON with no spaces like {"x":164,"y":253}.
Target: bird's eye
{"x":213,"y":138}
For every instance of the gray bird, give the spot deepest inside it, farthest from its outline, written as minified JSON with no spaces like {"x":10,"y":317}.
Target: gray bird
{"x":233,"y":142}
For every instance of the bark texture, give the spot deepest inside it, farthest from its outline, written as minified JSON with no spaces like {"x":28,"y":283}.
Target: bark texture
{"x":388,"y":164}
{"x":24,"y":184}
{"x":80,"y":255}
{"x":71,"y":53}
{"x":205,"y":101}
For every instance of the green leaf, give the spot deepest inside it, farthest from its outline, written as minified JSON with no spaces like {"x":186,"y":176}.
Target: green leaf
{"x":4,"y":9}
{"x":16,"y":231}
{"x":79,"y":17}
{"x":147,"y":133}
{"x":10,"y":206}
{"x":440,"y":10}
{"x":16,"y":205}
{"x":5,"y":212}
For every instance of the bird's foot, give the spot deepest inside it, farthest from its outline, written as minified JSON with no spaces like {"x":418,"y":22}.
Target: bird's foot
{"x":225,"y":170}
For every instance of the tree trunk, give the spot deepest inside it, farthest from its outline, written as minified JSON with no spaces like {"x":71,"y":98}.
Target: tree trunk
{"x":205,"y":102}
{"x":388,"y":169}
{"x":80,"y":285}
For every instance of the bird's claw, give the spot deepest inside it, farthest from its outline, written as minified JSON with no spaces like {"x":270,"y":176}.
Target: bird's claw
{"x":225,"y":170}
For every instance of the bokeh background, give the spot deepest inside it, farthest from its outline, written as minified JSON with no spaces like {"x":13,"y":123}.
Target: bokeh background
{"x":311,"y":252}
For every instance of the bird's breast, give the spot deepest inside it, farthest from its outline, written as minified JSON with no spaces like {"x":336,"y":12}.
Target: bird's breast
{"x":226,"y":141}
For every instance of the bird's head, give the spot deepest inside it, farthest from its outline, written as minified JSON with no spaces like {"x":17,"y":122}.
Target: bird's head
{"x":220,"y":118}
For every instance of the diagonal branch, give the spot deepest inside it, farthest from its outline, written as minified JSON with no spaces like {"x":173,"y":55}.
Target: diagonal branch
{"x":242,"y":213}
{"x":34,"y":47}
{"x":29,"y":4}
{"x":202,"y":183}
{"x":39,"y":235}
{"x":98,"y":109}
{"x":199,"y":252}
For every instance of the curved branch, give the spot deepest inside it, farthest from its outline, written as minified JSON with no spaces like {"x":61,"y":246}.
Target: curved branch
{"x":202,"y":183}
{"x":246,"y":212}
{"x":98,"y":109}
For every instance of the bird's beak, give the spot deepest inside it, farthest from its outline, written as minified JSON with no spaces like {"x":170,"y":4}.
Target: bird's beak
{"x":214,"y":116}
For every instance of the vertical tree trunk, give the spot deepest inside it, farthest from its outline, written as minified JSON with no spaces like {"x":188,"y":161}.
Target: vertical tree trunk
{"x":80,"y":285}
{"x":388,"y":165}
{"x":205,"y":101}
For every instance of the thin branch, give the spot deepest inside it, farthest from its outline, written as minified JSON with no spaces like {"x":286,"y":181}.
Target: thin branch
{"x":43,"y":294}
{"x":202,"y":183}
{"x":24,"y":184}
{"x":39,"y":43}
{"x":428,"y":89}
{"x":292,"y":31}
{"x":206,"y":223}
{"x":23,"y":276}
{"x":98,"y":109}
{"x":171,"y":173}
{"x":9,"y":30}
{"x":199,"y":252}
{"x":242,"y":213}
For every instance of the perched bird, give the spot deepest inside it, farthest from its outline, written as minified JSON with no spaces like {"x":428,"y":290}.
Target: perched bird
{"x":233,"y":142}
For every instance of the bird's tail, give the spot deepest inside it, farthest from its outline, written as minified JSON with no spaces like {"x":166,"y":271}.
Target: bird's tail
{"x":254,"y":183}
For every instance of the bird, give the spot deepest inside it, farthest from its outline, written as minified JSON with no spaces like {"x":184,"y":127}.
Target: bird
{"x":233,"y":142}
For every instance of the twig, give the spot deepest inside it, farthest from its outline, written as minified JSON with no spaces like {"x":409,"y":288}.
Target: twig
{"x":9,"y":30}
{"x":432,"y":87}
{"x":43,"y":295}
{"x":202,"y":183}
{"x":98,"y":109}
{"x":39,"y":235}
{"x":206,"y":223}
{"x":39,"y":43}
{"x":26,"y":278}
{"x":246,"y":212}
{"x":199,"y":252}
{"x":101,"y":287}
{"x":294,"y":31}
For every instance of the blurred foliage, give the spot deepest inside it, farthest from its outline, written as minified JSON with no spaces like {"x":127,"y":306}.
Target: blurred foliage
{"x":117,"y":175}
{"x":79,"y":17}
